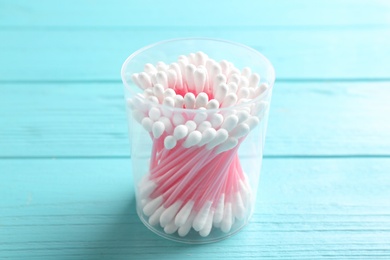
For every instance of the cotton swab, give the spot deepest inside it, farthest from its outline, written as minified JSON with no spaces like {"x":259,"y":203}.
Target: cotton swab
{"x":195,"y":180}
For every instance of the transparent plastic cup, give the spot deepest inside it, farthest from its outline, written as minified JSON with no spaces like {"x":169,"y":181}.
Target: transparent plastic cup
{"x":203,"y":189}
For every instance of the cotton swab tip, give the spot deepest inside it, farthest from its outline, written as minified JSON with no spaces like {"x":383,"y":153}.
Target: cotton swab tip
{"x":180,"y":132}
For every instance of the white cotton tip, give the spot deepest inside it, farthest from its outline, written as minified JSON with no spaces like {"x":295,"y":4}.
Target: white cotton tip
{"x":254,"y":80}
{"x":238,"y":206}
{"x":147,"y":124}
{"x":155,"y":217}
{"x":168,"y":214}
{"x":178,"y":119}
{"x":169,"y":142}
{"x":185,"y":229}
{"x":183,"y":57}
{"x":172,"y":78}
{"x":192,"y":58}
{"x":215,"y":68}
{"x":143,"y":180}
{"x":170,"y":228}
{"x":208,"y":135}
{"x":243,"y":93}
{"x":224,"y":66}
{"x":216,"y":120}
{"x":162,"y":79}
{"x":229,"y":100}
{"x":205,"y":231}
{"x":203,"y":126}
{"x":180,"y":132}
{"x":158,"y":129}
{"x":218,"y":80}
{"x":229,"y":144}
{"x":240,"y":130}
{"x":179,"y":101}
{"x":252,"y":122}
{"x":221,"y":92}
{"x":212,"y":104}
{"x":259,"y":108}
{"x":252,"y":93}
{"x":230,"y":122}
{"x":153,"y":78}
{"x":245,"y":193}
{"x":184,"y":213}
{"x":200,"y":116}
{"x":158,"y":91}
{"x":201,"y":100}
{"x":148,"y":92}
{"x":242,"y":116}
{"x":233,"y":70}
{"x":182,"y":65}
{"x":232,"y":87}
{"x":154,"y":113}
{"x":138,"y":116}
{"x":144,"y":202}
{"x":218,"y":215}
{"x":244,"y":82}
{"x":199,"y":80}
{"x":261,"y":89}
{"x":219,"y":138}
{"x":234,"y":78}
{"x":189,"y":72}
{"x":169,"y":93}
{"x":167,"y":124}
{"x":201,"y":216}
{"x":189,"y":100}
{"x":152,"y":206}
{"x":144,"y":80}
{"x":169,"y":101}
{"x":161,"y":66}
{"x":227,"y":219}
{"x":246,"y":72}
{"x":130,"y":104}
{"x":191,"y":125}
{"x":147,"y":188}
{"x":201,"y":58}
{"x":134,"y":78}
{"x":154,"y":100}
{"x":150,"y":69}
{"x":176,"y":68}
{"x":138,"y":101}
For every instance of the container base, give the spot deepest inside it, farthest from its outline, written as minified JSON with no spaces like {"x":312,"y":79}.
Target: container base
{"x":193,"y":237}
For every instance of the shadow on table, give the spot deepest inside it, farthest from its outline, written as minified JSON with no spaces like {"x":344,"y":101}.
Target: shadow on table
{"x":128,"y":238}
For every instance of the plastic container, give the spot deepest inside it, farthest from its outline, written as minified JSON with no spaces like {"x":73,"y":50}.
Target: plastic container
{"x":196,"y":182}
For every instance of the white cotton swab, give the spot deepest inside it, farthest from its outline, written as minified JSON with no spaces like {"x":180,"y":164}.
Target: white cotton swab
{"x":201,"y":100}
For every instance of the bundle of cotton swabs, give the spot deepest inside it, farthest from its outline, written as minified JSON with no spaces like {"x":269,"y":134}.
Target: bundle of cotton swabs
{"x":197,"y":112}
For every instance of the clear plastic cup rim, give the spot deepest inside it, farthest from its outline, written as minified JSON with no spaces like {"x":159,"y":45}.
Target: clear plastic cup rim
{"x":237,"y":106}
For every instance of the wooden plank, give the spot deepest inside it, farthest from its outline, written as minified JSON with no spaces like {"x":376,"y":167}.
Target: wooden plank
{"x":306,"y":119}
{"x":98,"y":54}
{"x":200,"y":13}
{"x":84,"y":209}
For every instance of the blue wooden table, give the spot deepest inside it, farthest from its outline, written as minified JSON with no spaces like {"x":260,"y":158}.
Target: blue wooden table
{"x":65,"y":182}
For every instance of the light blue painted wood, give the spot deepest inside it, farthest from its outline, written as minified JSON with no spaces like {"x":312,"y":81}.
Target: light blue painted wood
{"x":84,"y":209}
{"x":99,"y":54}
{"x":305,"y":119}
{"x":325,"y":182}
{"x":201,"y":13}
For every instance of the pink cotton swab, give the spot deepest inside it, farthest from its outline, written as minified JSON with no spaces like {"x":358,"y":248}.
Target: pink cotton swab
{"x":195,"y":179}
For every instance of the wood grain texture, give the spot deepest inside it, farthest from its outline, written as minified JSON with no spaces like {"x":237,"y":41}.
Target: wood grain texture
{"x":235,"y":13}
{"x":97,"y":55}
{"x":309,"y":119}
{"x":65,"y":181}
{"x":84,"y":209}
